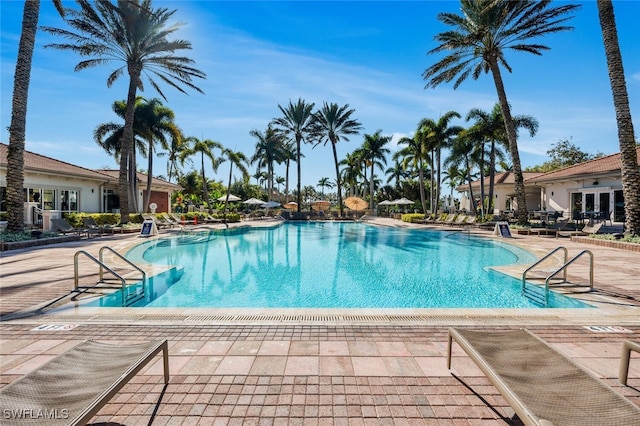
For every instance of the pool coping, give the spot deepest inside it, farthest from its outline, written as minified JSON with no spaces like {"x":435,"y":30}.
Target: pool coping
{"x":610,"y":310}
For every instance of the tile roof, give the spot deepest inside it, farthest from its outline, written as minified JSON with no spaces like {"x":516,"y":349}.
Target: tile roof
{"x":142,"y":177}
{"x":500,"y":178}
{"x":40,"y":163}
{"x":603,"y":165}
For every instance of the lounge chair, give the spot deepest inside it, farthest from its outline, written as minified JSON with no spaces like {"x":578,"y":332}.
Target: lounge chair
{"x":72,"y":387}
{"x":550,"y":230}
{"x":543,"y":386}
{"x":588,"y":229}
{"x":92,"y":226}
{"x":459,"y":220}
{"x":64,"y":227}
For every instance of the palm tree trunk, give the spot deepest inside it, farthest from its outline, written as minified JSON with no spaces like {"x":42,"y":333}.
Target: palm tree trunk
{"x":226,"y":201}
{"x":339,"y":185}
{"x":286,"y":182}
{"x":371,"y":188}
{"x":492,"y":175}
{"x":205,"y":187}
{"x":126,"y":146}
{"x":422,"y":194}
{"x":17,"y":129}
{"x":628,"y":154}
{"x":299,"y":197}
{"x":438,"y":160}
{"x":147,"y":198}
{"x":523,"y":214}
{"x":482,"y":209}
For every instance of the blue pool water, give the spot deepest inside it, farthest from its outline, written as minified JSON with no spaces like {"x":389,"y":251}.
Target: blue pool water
{"x":333,"y":265}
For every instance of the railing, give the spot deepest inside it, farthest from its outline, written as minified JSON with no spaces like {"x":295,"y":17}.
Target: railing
{"x":554,"y":273}
{"x":548,"y":255}
{"x":128,"y":296}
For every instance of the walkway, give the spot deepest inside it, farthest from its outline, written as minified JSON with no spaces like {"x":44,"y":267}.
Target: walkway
{"x":309,"y":367}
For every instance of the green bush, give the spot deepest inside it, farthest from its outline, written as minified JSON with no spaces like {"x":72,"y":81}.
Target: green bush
{"x":412,"y":217}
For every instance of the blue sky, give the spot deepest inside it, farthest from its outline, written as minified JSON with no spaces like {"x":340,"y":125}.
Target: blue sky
{"x":369,"y":55}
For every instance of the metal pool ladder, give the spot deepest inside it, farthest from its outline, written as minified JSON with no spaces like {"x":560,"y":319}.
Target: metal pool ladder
{"x":532,"y":291}
{"x":131,"y":292}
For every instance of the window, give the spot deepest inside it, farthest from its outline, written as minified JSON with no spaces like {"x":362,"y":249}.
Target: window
{"x":69,"y":201}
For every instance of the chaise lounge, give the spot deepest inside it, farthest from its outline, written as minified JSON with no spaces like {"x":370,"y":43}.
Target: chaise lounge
{"x":543,"y":386}
{"x":72,"y":387}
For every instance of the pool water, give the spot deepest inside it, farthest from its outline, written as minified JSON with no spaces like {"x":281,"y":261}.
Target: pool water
{"x":333,"y":265}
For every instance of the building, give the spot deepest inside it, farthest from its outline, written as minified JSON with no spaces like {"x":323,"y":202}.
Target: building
{"x":594,"y":186}
{"x":58,"y":187}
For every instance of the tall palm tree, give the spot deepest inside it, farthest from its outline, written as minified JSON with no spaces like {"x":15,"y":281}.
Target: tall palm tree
{"x":440,"y":135}
{"x":481,"y":34}
{"x":351,"y":172}
{"x":323,"y":183}
{"x":132,"y":32}
{"x":268,"y":151}
{"x":152,"y":122}
{"x":397,"y":173}
{"x":290,"y":154}
{"x":376,"y":154}
{"x":157,"y":122}
{"x":296,"y":124}
{"x":331,"y":124}
{"x":416,"y":155}
{"x":461,"y":158}
{"x":454,"y":176}
{"x":489,"y":127}
{"x":239,"y":160}
{"x":628,"y":153}
{"x":204,"y":148}
{"x":174,"y":155}
{"x":17,"y":128}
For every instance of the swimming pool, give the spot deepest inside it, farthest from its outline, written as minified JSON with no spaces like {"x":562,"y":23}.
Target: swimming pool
{"x":333,"y":265}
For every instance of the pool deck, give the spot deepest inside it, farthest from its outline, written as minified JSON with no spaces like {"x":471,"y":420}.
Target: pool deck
{"x":311,"y":366}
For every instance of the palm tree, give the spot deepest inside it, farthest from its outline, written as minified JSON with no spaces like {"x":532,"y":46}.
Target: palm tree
{"x":351,"y":172}
{"x":268,"y":151}
{"x":203,"y":147}
{"x":157,"y":122}
{"x":483,"y":31}
{"x":628,"y":153}
{"x":416,"y":155}
{"x":333,"y":123}
{"x":439,"y":136}
{"x":152,"y":121}
{"x":289,"y":154}
{"x":323,"y":183}
{"x":17,"y":128}
{"x":135,"y":33}
{"x":280,"y":180}
{"x":460,"y":157}
{"x":296,"y":124}
{"x":174,"y":155}
{"x":376,"y":154}
{"x":239,"y":160}
{"x":489,"y":127}
{"x":454,"y":176}
{"x":396,"y":173}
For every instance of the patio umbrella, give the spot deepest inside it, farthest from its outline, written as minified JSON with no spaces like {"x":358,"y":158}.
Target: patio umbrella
{"x":320,"y":205}
{"x":385,"y":203}
{"x":402,"y":201}
{"x":270,"y":204}
{"x":231,"y":198}
{"x":355,"y":203}
{"x":252,"y":202}
{"x":291,"y":205}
